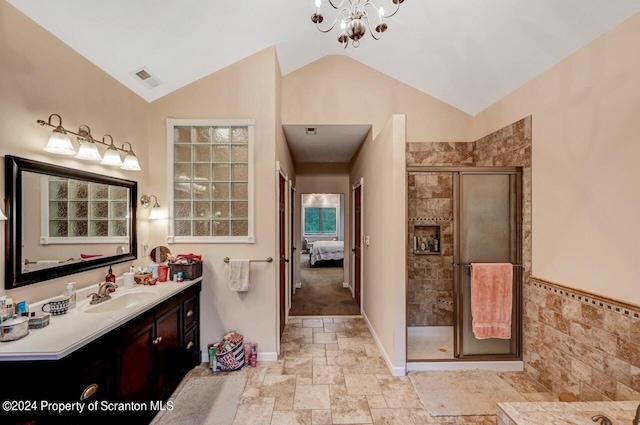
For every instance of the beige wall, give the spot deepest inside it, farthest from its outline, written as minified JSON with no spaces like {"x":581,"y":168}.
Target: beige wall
{"x":586,"y":208}
{"x":39,"y":75}
{"x":323,"y":178}
{"x":246,"y":89}
{"x":381,"y":163}
{"x":340,"y":90}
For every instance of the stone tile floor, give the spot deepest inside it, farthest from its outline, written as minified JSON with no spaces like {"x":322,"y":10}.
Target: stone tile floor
{"x":330,"y":371}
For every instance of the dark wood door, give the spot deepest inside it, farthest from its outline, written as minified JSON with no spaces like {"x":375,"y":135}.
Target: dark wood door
{"x":357,"y":226}
{"x":134,"y":363}
{"x":282,"y":253}
{"x":170,"y":361}
{"x":292,"y":232}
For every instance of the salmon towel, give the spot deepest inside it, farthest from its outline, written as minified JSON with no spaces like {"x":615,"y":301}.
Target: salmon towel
{"x":491,"y":299}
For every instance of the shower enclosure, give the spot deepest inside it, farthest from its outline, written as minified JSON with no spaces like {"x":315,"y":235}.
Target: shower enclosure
{"x":459,"y":216}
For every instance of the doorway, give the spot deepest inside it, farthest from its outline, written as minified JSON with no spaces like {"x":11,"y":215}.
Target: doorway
{"x":323,"y":290}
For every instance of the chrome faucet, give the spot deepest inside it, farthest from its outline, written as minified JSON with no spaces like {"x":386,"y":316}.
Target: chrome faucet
{"x":636,"y":421}
{"x":602,"y":419}
{"x":103,"y":293}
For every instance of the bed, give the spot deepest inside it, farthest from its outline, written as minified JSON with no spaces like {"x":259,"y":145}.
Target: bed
{"x":328,"y":253}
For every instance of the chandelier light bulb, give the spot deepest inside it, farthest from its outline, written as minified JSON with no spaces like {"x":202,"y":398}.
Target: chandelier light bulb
{"x":318,"y":3}
{"x":343,"y":25}
{"x":381,"y":12}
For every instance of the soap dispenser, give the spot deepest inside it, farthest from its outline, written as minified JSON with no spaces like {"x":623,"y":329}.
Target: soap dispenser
{"x":110,"y":276}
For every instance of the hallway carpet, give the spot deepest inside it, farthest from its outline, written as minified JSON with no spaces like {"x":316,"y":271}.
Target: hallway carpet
{"x":322,"y":293}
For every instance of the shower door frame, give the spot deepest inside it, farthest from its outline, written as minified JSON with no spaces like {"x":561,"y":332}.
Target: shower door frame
{"x":518,"y":271}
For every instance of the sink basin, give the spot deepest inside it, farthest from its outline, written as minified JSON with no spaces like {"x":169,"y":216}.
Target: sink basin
{"x":124,"y":301}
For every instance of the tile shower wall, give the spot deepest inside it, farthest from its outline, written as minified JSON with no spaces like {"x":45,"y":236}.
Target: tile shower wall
{"x":430,"y":289}
{"x":580,"y":342}
{"x":509,"y":146}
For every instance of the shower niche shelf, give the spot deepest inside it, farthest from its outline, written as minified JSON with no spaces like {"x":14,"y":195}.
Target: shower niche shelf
{"x":427,"y":239}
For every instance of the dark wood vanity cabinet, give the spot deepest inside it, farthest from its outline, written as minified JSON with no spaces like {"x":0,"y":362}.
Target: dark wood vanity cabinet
{"x":142,"y":360}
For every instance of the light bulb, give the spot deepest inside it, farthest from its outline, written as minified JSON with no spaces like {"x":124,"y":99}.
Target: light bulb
{"x":156,"y":213}
{"x":318,"y":2}
{"x":381,"y":12}
{"x":343,"y":25}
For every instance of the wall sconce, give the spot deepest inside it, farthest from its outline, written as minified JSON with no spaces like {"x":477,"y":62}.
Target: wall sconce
{"x":2,"y":216}
{"x":60,"y":143}
{"x":155,"y":213}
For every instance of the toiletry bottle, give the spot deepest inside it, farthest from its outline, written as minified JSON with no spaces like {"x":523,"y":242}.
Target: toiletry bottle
{"x":71,"y":293}
{"x":110,"y":278}
{"x":436,"y":244}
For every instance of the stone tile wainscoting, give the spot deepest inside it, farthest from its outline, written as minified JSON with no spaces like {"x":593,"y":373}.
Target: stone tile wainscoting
{"x":581,"y":342}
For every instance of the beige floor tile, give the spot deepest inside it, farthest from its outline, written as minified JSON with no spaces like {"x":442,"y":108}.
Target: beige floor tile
{"x":284,"y":403}
{"x":332,"y":347}
{"x":374,"y":365}
{"x":278,"y":385}
{"x":304,"y":379}
{"x":254,"y":411}
{"x":372,"y":350}
{"x":340,"y":358}
{"x":321,"y":417}
{"x":328,"y":320}
{"x":338,"y":390}
{"x":324,"y":338}
{"x":376,"y":402}
{"x":255,"y":376}
{"x":318,"y":330}
{"x":401,"y":396}
{"x":387,"y":378}
{"x":400,"y":417}
{"x":293,"y":320}
{"x":319,"y":361}
{"x":312,"y":323}
{"x":334,"y":327}
{"x":292,"y":417}
{"x":312,"y":350}
{"x":311,"y":397}
{"x":328,"y":375}
{"x":364,"y":384}
{"x":350,"y":410}
{"x":298,"y":366}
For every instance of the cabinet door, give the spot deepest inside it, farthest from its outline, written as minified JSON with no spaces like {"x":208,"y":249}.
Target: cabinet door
{"x":134,"y":363}
{"x":168,"y":347}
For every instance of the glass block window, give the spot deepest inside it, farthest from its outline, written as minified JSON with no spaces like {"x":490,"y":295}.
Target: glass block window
{"x":83,"y":212}
{"x":211,"y":187}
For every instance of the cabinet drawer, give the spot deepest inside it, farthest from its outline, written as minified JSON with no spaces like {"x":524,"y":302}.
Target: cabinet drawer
{"x":190,"y":312}
{"x":190,"y":341}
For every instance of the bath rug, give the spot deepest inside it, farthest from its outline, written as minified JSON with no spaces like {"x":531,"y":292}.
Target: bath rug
{"x":206,"y":400}
{"x":462,"y":393}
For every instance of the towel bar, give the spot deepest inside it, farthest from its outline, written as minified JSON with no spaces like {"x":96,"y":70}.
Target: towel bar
{"x":268,"y":260}
{"x":469,"y":265}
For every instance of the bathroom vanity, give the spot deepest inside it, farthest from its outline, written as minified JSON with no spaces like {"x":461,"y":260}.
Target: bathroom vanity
{"x":105,"y":352}
{"x":542,"y":413}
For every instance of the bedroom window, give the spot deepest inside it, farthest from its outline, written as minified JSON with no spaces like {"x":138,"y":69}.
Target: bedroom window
{"x":320,"y":221}
{"x":211,"y":180}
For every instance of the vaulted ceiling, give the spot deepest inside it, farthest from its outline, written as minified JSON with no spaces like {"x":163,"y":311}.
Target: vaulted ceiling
{"x":468,"y":53}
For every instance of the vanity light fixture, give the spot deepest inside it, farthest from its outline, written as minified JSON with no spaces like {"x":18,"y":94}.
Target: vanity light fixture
{"x":60,"y":143}
{"x":155,"y":213}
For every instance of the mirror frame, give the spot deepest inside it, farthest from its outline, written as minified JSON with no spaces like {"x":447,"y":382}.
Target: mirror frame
{"x":14,"y":167}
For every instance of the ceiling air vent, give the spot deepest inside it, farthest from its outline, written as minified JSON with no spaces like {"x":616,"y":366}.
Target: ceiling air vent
{"x":311,"y":131}
{"x":146,"y":77}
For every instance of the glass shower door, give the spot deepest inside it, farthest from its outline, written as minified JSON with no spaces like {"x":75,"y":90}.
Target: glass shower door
{"x":487,"y":210}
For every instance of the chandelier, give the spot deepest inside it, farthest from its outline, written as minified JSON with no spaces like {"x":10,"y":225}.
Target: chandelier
{"x":354,"y":19}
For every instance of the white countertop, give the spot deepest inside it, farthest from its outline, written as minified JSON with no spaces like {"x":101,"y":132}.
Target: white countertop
{"x":76,"y":328}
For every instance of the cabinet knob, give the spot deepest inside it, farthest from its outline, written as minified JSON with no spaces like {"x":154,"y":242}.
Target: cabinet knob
{"x":89,"y":391}
{"x":157,"y":340}
{"x":189,"y":313}
{"x":190,"y":345}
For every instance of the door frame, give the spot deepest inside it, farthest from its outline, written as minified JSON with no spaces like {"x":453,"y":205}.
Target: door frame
{"x":280,"y":172}
{"x":292,"y":248}
{"x":360,"y":185}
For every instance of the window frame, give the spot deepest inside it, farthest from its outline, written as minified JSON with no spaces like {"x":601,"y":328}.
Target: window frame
{"x":174,"y":122}
{"x":321,"y":235}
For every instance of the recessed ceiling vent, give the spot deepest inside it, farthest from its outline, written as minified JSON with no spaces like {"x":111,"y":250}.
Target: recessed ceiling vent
{"x":311,"y":131}
{"x":146,"y":77}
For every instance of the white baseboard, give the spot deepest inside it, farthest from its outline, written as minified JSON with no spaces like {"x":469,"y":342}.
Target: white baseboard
{"x":499,"y":366}
{"x":345,"y":284}
{"x":262,"y":357}
{"x":395,"y":371}
{"x":299,"y":285}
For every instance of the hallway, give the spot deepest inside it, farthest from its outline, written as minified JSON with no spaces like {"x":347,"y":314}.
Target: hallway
{"x":322,"y":292}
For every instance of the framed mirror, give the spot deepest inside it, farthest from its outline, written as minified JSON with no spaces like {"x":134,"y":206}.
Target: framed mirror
{"x":63,"y":221}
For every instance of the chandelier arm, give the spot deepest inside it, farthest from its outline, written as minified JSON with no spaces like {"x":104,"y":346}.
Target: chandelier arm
{"x":341,"y":4}
{"x":372,"y":32}
{"x":335,"y":21}
{"x":369,"y":3}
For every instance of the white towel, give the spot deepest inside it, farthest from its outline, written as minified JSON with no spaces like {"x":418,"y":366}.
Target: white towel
{"x":48,"y":262}
{"x":239,"y":275}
